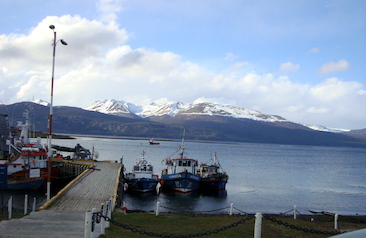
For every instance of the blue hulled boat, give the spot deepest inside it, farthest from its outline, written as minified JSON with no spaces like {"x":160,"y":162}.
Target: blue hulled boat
{"x":142,"y":178}
{"x":213,"y":178}
{"x":180,"y":174}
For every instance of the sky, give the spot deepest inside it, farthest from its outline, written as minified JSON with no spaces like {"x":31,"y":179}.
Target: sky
{"x":303,"y":60}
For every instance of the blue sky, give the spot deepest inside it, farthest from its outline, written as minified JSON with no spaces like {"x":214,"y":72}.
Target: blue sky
{"x":302,"y":60}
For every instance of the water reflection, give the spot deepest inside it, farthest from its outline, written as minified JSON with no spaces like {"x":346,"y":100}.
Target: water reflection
{"x":176,"y":202}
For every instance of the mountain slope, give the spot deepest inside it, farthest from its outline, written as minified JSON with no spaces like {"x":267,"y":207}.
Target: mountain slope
{"x":202,"y":122}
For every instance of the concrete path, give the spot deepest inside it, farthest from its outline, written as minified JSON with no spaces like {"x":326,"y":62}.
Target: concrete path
{"x":42,"y":224}
{"x":65,"y":217}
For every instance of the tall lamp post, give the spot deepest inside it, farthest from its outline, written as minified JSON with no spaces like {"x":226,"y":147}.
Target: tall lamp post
{"x":52,"y":27}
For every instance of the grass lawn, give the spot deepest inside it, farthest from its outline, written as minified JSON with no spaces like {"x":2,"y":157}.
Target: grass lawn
{"x":133,"y":223}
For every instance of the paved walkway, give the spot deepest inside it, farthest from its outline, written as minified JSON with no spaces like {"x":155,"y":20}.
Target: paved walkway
{"x":65,"y":217}
{"x":42,"y":224}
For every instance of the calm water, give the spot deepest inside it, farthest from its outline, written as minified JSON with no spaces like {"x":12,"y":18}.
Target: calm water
{"x":263,"y":178}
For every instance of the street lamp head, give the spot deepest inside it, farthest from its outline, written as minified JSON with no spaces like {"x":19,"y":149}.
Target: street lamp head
{"x":52,"y":27}
{"x":63,"y":42}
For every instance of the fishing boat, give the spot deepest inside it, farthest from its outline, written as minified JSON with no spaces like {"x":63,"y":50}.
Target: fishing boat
{"x":180,"y":175}
{"x":142,"y":178}
{"x":26,"y":165}
{"x":213,"y":178}
{"x":153,"y":142}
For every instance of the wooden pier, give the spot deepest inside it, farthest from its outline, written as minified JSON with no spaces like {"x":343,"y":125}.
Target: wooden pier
{"x":92,"y":187}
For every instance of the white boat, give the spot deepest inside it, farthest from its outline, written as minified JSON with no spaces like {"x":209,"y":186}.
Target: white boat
{"x":142,"y":178}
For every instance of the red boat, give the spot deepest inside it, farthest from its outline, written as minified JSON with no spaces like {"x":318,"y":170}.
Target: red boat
{"x":152,"y":142}
{"x":27,"y":164}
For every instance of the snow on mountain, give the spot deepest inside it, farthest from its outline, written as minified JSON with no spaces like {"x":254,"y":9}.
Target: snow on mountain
{"x":230,"y":111}
{"x":172,"y":108}
{"x":168,"y":109}
{"x":326,"y":129}
{"x":114,"y":107}
{"x":41,"y":102}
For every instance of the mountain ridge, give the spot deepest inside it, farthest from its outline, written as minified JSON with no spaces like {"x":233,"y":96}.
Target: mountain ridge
{"x":200,"y":124}
{"x":172,"y":108}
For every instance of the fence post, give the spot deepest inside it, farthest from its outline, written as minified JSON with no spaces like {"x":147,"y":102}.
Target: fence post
{"x":34,"y":204}
{"x":157,"y":208}
{"x":88,"y":221}
{"x":295,"y":212}
{"x":124,"y":208}
{"x":26,"y":204}
{"x":231,"y":209}
{"x":10,"y":207}
{"x":112,"y":207}
{"x":258,"y":225}
{"x":336,"y":221}
{"x":93,"y":223}
{"x":102,"y":222}
{"x":108,"y":208}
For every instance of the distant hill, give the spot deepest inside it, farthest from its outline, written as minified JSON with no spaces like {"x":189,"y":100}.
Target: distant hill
{"x":205,"y":121}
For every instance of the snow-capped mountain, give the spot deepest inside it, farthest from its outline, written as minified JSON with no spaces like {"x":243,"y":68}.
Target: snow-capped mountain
{"x":41,"y":102}
{"x":114,"y":107}
{"x":212,"y":109}
{"x":171,"y":109}
{"x":326,"y":129}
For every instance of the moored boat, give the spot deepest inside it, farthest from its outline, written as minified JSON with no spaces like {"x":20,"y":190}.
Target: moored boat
{"x":26,"y":165}
{"x":153,"y":142}
{"x":212,"y":176}
{"x":180,"y":175}
{"x":142,"y":178}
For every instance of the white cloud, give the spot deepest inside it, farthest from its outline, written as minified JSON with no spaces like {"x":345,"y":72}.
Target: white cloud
{"x":231,"y":56}
{"x":332,"y":67}
{"x":314,"y":50}
{"x":289,"y":67}
{"x":108,"y":10}
{"x":98,"y":64}
{"x":318,"y":110}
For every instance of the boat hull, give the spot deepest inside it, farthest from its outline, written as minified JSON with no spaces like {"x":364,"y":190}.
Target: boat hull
{"x":22,"y":181}
{"x":26,"y":184}
{"x":142,"y":185}
{"x":213,"y":184}
{"x":180,"y":182}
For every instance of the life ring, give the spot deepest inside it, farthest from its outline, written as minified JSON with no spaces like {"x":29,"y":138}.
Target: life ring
{"x":12,"y":158}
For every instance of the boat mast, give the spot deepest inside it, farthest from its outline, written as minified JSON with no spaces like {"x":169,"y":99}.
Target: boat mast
{"x":182,"y":148}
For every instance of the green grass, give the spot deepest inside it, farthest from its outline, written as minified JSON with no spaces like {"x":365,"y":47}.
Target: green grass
{"x":16,"y":214}
{"x":175,"y":224}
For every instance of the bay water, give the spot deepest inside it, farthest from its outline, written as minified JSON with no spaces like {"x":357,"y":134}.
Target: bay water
{"x":263,"y":178}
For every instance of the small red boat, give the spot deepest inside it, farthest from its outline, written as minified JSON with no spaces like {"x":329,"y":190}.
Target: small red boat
{"x":153,"y":142}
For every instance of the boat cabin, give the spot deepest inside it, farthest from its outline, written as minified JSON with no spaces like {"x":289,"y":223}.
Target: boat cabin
{"x":141,"y":169}
{"x":181,"y":165}
{"x":207,"y":170}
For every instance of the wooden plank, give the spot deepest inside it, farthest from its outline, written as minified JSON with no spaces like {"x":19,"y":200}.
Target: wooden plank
{"x":94,"y":188}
